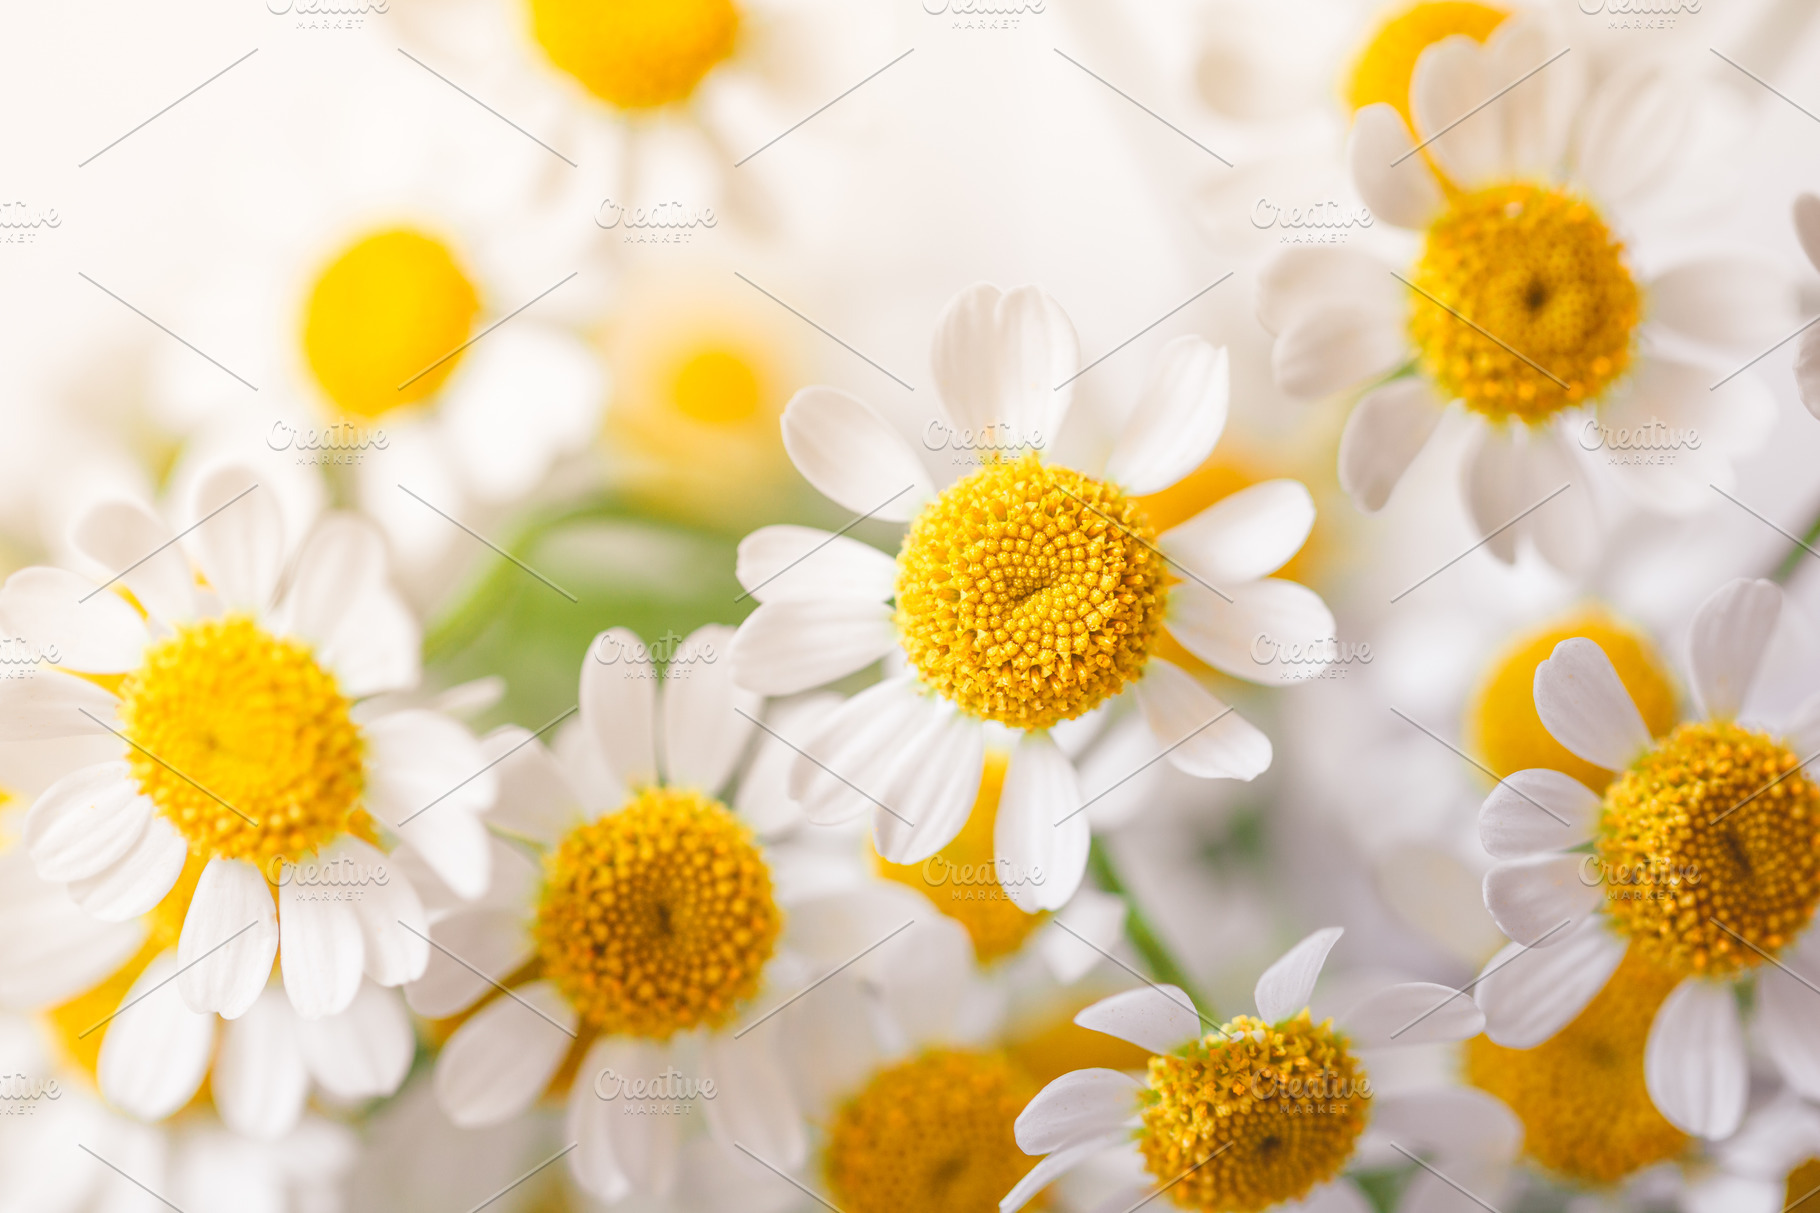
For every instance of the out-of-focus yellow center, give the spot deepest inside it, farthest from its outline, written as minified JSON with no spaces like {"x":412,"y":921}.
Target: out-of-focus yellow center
{"x":1502,"y":727}
{"x":243,"y":742}
{"x":1048,"y":1045}
{"x":717,"y":387}
{"x":1586,"y":1111}
{"x":1383,"y":69}
{"x":1525,"y":305}
{"x":932,"y":1134}
{"x":658,"y":918}
{"x":384,"y":319}
{"x":1802,"y":1192}
{"x":1029,"y":594}
{"x":636,"y":54}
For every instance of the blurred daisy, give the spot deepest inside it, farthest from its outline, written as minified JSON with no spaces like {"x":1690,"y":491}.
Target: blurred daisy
{"x":1702,"y":861}
{"x":1807,"y":356}
{"x":1026,"y":595}
{"x":1771,"y":1165}
{"x":1268,"y":1110}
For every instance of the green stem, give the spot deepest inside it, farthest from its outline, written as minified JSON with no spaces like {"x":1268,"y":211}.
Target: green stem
{"x":1141,"y":932}
{"x":1786,"y":569}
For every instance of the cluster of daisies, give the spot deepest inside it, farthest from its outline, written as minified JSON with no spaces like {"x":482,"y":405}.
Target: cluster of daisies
{"x":911,"y":876}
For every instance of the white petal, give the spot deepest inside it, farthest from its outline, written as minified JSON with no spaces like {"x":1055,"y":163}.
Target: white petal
{"x":1384,"y":433}
{"x":259,"y":1081}
{"x":1496,"y":477}
{"x":1807,"y":225}
{"x":85,"y":821}
{"x":1535,"y":899}
{"x":139,"y":879}
{"x":802,"y":564}
{"x":1159,"y":1018}
{"x":708,"y":721}
{"x":492,"y":941}
{"x":1251,"y":636}
{"x":230,"y":935}
{"x":1336,"y":346}
{"x":1078,"y":1106}
{"x":1094,"y":922}
{"x":1300,"y":281}
{"x":50,"y":951}
{"x":1807,"y":370}
{"x":1725,"y":301}
{"x":500,"y":1061}
{"x":124,"y":535}
{"x":1338,"y":1196}
{"x":1537,"y":810}
{"x":456,"y":848}
{"x":339,"y":600}
{"x":1414,"y":1013}
{"x":1694,"y":1062}
{"x":1529,"y":994}
{"x":1392,"y":178}
{"x":1585,"y":707}
{"x":595,"y":1162}
{"x":1053,"y":1168}
{"x":853,"y":457}
{"x":1566,"y":529}
{"x":53,"y":705}
{"x":852,"y":754}
{"x":1114,"y":794}
{"x":428,"y":778}
{"x":753,"y":1104}
{"x":1633,"y":129}
{"x":763,"y":799}
{"x":786,"y":647}
{"x":156,"y":1050}
{"x":536,"y":799}
{"x":1287,"y":985}
{"x":1788,"y":1024}
{"x":1177,"y":420}
{"x":643,"y":1147}
{"x":1201,"y":735}
{"x":241,"y":548}
{"x":619,"y":705}
{"x":391,"y":915}
{"x":1452,"y":79}
{"x":323,"y":950}
{"x":1248,"y":535}
{"x":929,"y":790}
{"x":1727,"y":642}
{"x":364,"y":1052}
{"x":1001,"y":359}
{"x":72,"y":622}
{"x":1450,"y":1121}
{"x":1040,"y":836}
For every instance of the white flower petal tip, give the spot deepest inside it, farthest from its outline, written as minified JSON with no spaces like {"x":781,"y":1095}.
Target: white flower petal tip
{"x":786,"y":647}
{"x":1807,"y":225}
{"x":1529,"y":994}
{"x":1393,"y":179}
{"x":1178,"y":419}
{"x":1005,"y":360}
{"x":1334,"y":346}
{"x":1694,"y":1063}
{"x":1078,"y":1106}
{"x":230,"y":936}
{"x":801,"y":564}
{"x":1385,"y":432}
{"x":1807,"y":370}
{"x":1286,"y":986}
{"x":1158,"y":1018}
{"x":1416,"y":1013}
{"x":1730,"y":634}
{"x":1199,"y":734}
{"x":1537,"y":810}
{"x":1249,"y":535}
{"x":1537,"y":898}
{"x":1585,"y":707}
{"x":1041,"y":836}
{"x":85,"y":822}
{"x":499,"y":1062}
{"x":852,"y":455}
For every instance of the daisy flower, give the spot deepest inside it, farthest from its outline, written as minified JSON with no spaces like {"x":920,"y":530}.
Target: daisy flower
{"x":1025,"y":595}
{"x":1524,"y":305}
{"x":1807,"y":357}
{"x":1771,"y":1165}
{"x":1701,"y":860}
{"x":1271,"y":1109}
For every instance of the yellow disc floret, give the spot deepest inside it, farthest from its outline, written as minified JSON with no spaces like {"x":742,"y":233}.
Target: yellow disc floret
{"x":1029,"y":594}
{"x":636,"y":54}
{"x":1801,"y":1194}
{"x":1580,"y":1094}
{"x":1710,"y":849}
{"x":384,"y":321}
{"x":1247,"y":1120}
{"x":1524,"y":304}
{"x":658,"y":918}
{"x":243,"y":742}
{"x":1383,"y":70}
{"x":932,"y":1134}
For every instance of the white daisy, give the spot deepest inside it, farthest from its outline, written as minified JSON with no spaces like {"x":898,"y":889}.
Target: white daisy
{"x":1026,"y":595}
{"x":1523,"y":305}
{"x":1270,"y":1110}
{"x":1807,"y":357}
{"x":1701,"y":858}
{"x":1771,"y":1165}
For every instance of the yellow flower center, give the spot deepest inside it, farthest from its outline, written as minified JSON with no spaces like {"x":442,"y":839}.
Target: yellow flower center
{"x":243,"y":742}
{"x":1383,"y":70}
{"x":636,"y":54}
{"x":384,"y":320}
{"x":1028,"y":594}
{"x":1260,"y":1116}
{"x":932,"y":1134}
{"x":1802,"y":1192}
{"x":1501,"y":722}
{"x":717,"y":387}
{"x":1524,"y":304}
{"x":1586,"y":1112}
{"x":962,"y":878}
{"x":1709,"y":849}
{"x":658,"y":918}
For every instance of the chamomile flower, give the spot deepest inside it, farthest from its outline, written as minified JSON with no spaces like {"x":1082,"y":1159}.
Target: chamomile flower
{"x":1702,"y":861}
{"x":1267,"y":1110}
{"x":1807,"y":357}
{"x":1026,"y":594}
{"x":1771,"y":1165}
{"x":1524,"y":306}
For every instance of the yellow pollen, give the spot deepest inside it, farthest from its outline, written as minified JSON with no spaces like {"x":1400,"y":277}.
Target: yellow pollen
{"x":254,"y":720}
{"x":1261,"y":1115}
{"x":1029,"y":594}
{"x":717,"y":387}
{"x":1383,"y":70}
{"x":1802,"y":1193}
{"x":961,"y":878}
{"x":636,"y":54}
{"x":658,"y":918}
{"x":1586,"y":1111}
{"x":932,"y":1134}
{"x":381,"y":315}
{"x":1502,"y":727}
{"x":1540,"y":272}
{"x":1709,"y":849}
